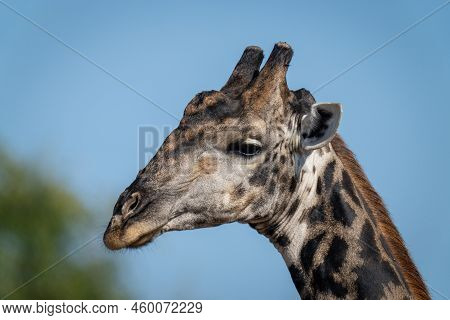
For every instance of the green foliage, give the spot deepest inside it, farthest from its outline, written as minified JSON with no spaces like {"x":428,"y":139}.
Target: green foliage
{"x":38,"y":221}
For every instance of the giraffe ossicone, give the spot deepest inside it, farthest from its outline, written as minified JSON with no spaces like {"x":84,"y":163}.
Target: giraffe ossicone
{"x":256,"y":152}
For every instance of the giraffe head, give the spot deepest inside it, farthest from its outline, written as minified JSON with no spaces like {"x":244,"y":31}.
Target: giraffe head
{"x":235,"y":156}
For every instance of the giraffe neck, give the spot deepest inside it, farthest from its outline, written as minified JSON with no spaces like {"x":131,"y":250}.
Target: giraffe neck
{"x":329,"y":237}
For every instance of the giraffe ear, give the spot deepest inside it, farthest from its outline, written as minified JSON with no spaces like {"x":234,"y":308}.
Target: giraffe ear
{"x":319,"y":126}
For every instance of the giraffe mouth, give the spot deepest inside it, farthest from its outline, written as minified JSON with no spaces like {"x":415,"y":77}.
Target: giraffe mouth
{"x":146,"y":238}
{"x":139,"y":229}
{"x":152,"y":235}
{"x":135,"y":235}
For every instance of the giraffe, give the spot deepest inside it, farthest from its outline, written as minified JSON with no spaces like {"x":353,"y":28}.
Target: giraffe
{"x":256,"y":152}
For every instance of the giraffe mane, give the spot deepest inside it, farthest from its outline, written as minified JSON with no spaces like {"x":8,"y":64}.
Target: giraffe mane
{"x":410,"y":273}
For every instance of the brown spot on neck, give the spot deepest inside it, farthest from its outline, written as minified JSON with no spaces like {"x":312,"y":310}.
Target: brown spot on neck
{"x":386,"y":227}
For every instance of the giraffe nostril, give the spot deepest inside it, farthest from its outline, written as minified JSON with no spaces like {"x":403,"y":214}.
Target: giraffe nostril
{"x":134,"y":204}
{"x":131,"y":204}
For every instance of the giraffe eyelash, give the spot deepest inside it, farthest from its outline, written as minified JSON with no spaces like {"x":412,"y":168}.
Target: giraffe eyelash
{"x":247,"y":148}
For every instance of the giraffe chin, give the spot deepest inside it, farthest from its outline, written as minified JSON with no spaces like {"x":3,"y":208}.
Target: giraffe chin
{"x":117,"y":238}
{"x":146,"y":238}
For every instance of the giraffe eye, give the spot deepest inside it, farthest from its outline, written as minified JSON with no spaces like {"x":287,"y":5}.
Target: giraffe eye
{"x":245,"y":148}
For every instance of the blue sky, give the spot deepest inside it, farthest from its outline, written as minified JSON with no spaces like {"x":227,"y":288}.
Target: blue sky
{"x":80,"y":125}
